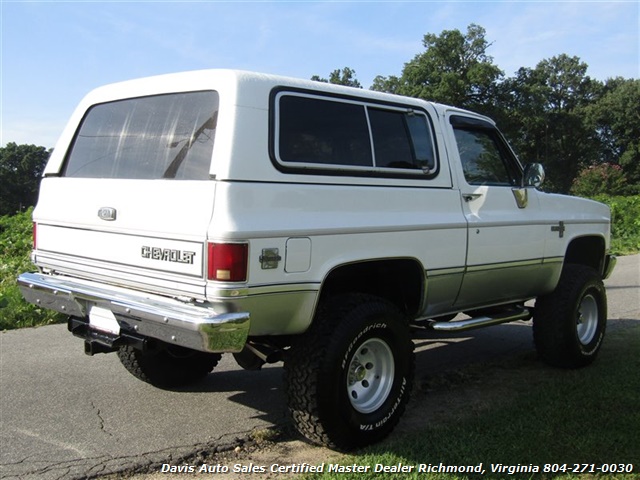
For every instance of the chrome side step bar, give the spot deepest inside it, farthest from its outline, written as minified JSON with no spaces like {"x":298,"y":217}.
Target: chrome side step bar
{"x":511,"y":315}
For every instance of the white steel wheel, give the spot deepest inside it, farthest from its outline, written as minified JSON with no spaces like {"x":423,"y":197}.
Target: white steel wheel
{"x":349,"y":377}
{"x":370,"y":375}
{"x":569,"y":323}
{"x":587,"y":321}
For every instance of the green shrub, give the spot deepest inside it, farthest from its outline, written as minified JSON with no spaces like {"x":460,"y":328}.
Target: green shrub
{"x":605,"y":178}
{"x":625,"y":222}
{"x":15,"y":251}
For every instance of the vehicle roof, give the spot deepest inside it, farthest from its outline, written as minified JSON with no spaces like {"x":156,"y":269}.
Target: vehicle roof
{"x":245,"y":81}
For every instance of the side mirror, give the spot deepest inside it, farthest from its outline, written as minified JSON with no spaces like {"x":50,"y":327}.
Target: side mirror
{"x":533,"y":175}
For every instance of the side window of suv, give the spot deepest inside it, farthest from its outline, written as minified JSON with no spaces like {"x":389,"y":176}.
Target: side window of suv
{"x":328,"y":133}
{"x":484,"y":156}
{"x":321,"y":132}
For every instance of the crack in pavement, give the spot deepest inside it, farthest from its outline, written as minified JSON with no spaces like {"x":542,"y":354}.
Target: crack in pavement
{"x":100,"y":418}
{"x":92,"y":467}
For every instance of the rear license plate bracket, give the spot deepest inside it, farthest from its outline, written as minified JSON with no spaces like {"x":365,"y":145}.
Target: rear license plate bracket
{"x":103,"y":320}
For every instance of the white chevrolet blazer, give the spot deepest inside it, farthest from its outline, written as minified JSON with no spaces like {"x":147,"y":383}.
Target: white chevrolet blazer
{"x":187,"y":215}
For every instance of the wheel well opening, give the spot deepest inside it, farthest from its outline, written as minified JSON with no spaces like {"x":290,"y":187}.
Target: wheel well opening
{"x":587,"y":251}
{"x":401,"y":281}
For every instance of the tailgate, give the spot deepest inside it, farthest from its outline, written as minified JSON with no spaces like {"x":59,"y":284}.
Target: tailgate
{"x":149,"y":235}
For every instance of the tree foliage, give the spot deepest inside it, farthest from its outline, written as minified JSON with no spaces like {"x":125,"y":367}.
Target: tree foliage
{"x":615,"y":118}
{"x":545,"y":109}
{"x":21,"y":167}
{"x":454,"y":69}
{"x":345,"y":76}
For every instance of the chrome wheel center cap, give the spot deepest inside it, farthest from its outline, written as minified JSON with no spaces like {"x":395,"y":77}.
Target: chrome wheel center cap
{"x":360,"y":373}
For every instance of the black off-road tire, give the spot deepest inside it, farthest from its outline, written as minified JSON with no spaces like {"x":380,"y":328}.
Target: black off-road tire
{"x":569,"y":323}
{"x":168,"y":366}
{"x":349,"y":377}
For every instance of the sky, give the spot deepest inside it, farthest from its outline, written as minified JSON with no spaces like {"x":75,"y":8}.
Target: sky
{"x":54,"y":52}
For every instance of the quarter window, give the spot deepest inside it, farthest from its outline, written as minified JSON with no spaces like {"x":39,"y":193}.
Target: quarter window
{"x":401,"y":140}
{"x":323,"y":133}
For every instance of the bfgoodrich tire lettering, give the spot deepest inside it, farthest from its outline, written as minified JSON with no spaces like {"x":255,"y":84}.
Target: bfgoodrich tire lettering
{"x":349,"y":377}
{"x":569,"y":323}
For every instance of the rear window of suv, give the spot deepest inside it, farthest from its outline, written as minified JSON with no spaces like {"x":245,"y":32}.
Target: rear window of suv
{"x":157,"y":137}
{"x":314,"y":133}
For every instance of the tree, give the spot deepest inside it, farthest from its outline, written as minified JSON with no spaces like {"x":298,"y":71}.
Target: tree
{"x":21,"y":167}
{"x":545,"y":110}
{"x":389,"y":84}
{"x":454,"y":69}
{"x":346,"y":77}
{"x":616,"y":120}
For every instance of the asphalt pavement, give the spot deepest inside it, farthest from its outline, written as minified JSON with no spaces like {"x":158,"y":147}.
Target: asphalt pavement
{"x":64,"y":415}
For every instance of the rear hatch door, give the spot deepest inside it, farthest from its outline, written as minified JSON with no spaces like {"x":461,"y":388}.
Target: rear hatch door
{"x":133,"y":200}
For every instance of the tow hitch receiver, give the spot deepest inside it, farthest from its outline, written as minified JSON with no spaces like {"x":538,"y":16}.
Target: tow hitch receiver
{"x":102,"y":342}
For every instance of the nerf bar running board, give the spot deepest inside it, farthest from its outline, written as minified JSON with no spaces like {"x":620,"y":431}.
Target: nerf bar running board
{"x":523,"y":313}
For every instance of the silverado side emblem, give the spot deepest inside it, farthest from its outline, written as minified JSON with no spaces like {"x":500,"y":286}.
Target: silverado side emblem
{"x":107,"y":213}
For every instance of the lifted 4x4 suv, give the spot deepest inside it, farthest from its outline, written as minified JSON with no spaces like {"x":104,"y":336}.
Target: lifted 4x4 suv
{"x":188,"y":215}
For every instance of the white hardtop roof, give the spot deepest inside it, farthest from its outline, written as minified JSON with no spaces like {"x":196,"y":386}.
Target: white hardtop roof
{"x":235,"y":80}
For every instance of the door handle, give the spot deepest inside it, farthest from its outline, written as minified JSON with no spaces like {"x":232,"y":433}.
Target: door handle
{"x":468,"y":197}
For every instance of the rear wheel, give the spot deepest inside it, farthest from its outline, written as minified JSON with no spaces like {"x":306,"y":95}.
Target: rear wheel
{"x":167,"y":366}
{"x":349,"y":377}
{"x":569,"y":323}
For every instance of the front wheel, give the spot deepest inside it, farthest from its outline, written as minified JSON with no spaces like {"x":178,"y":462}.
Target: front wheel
{"x":349,"y":377}
{"x":570,"y":322}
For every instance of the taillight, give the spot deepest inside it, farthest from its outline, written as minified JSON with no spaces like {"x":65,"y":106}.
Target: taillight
{"x":35,"y":235}
{"x":227,"y":262}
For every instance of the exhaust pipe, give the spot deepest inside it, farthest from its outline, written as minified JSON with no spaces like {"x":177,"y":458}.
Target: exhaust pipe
{"x":253,"y":356}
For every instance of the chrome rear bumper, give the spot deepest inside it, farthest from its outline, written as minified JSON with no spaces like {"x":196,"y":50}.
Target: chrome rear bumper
{"x":188,"y":325}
